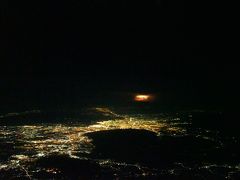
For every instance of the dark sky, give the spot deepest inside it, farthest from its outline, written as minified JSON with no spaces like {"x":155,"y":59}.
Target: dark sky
{"x":65,"y":52}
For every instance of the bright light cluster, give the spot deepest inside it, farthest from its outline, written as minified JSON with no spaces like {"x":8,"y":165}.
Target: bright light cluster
{"x":37,"y":141}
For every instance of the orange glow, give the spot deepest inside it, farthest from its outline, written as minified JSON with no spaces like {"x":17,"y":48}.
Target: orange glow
{"x":142,"y":98}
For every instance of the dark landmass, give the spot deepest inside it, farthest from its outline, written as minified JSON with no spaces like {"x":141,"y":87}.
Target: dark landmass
{"x":145,"y":148}
{"x":69,"y":168}
{"x":141,"y":146}
{"x":226,"y":122}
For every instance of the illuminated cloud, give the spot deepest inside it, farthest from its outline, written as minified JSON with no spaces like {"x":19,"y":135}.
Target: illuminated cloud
{"x":143,"y":98}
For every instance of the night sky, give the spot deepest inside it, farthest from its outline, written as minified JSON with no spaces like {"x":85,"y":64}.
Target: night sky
{"x":69,"y":53}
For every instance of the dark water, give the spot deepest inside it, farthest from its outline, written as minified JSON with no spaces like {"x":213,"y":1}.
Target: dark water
{"x":107,"y":143}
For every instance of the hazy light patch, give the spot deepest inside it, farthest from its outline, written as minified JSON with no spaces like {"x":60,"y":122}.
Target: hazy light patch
{"x":106,"y":111}
{"x":143,"y":98}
